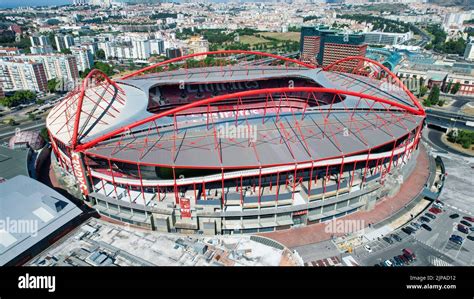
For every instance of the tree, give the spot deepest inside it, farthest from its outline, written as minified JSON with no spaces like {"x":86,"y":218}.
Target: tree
{"x":433,"y":97}
{"x":100,"y":54}
{"x":44,"y":134}
{"x":66,"y":51}
{"x":455,"y":88}
{"x":423,"y":90}
{"x":52,"y":84}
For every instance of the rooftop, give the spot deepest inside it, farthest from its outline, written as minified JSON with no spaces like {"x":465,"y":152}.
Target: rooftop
{"x":12,"y":163}
{"x":29,"y":213}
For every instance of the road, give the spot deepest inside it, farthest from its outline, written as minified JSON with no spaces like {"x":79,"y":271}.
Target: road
{"x":8,"y":131}
{"x":434,"y":137}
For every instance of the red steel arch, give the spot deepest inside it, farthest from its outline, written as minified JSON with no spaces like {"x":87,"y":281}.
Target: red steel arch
{"x":244,"y":94}
{"x":308,"y":65}
{"x":333,"y":67}
{"x":96,"y":75}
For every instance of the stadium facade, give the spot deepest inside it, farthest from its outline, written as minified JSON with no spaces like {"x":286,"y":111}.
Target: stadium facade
{"x":239,"y":146}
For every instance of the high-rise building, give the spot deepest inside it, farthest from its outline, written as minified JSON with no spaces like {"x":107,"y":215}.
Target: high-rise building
{"x":173,"y":53}
{"x":57,"y":66}
{"x":63,"y":42}
{"x":157,"y":46}
{"x":21,"y":75}
{"x":84,"y":58}
{"x":469,"y":52}
{"x":333,"y":45}
{"x":40,"y":45}
{"x":39,"y":40}
{"x":141,"y":48}
{"x":79,"y":2}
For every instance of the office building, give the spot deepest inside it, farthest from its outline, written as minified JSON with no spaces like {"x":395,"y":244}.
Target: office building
{"x":333,"y":45}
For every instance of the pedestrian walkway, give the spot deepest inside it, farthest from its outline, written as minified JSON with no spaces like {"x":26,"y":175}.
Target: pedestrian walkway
{"x":435,"y":261}
{"x":327,"y":262}
{"x":385,"y":208}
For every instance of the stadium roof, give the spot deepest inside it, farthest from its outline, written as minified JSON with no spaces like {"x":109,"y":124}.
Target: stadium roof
{"x":29,"y":212}
{"x":12,"y":163}
{"x":274,"y":144}
{"x":134,"y":96}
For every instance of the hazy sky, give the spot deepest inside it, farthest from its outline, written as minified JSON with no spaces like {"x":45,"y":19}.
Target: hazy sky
{"x":15,"y":3}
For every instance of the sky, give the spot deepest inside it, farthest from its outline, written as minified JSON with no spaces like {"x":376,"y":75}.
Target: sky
{"x":16,"y":3}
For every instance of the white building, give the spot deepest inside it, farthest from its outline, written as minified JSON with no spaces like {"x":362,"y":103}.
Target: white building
{"x":469,"y":52}
{"x":157,"y":46}
{"x":141,"y":48}
{"x":40,"y":45}
{"x":63,"y":42}
{"x":57,"y":66}
{"x":387,"y":38}
{"x":23,"y":75}
{"x":84,"y":58}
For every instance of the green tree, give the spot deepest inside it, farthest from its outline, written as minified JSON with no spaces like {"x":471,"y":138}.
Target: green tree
{"x":433,"y":97}
{"x":455,"y":88}
{"x":52,"y":84}
{"x":66,"y":51}
{"x":44,"y":134}
{"x":100,"y":54}
{"x":423,"y":90}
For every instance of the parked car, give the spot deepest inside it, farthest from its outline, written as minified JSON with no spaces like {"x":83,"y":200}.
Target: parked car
{"x":435,"y":210}
{"x":439,"y":203}
{"x":468,"y":218}
{"x":407,"y":230}
{"x":415,"y":225}
{"x":470,"y":238}
{"x":408,"y":257}
{"x":424,"y":219}
{"x":426,"y":226}
{"x":471,"y":228}
{"x":466,"y":223}
{"x":463,"y":229}
{"x":404,"y":259}
{"x":396,"y":238}
{"x":456,"y":239}
{"x":430,"y":215}
{"x":398,"y":261}
{"x":454,"y":216}
{"x":388,"y":263}
{"x":388,"y":240}
{"x":367,"y":247}
{"x":409,"y":252}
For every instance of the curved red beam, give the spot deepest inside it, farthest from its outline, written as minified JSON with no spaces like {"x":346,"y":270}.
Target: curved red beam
{"x":244,"y":94}
{"x":308,"y":65}
{"x":93,"y":73}
{"x":397,"y":80}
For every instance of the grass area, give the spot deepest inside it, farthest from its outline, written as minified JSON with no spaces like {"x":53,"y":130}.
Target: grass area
{"x":252,"y":40}
{"x":468,"y":151}
{"x":292,"y":36}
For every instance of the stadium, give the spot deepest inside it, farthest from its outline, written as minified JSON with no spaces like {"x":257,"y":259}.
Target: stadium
{"x":237,"y":142}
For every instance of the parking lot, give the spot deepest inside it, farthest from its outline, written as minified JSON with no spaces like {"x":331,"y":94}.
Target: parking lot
{"x":431,"y":247}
